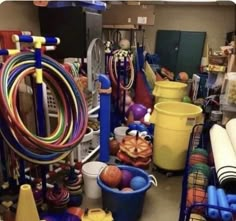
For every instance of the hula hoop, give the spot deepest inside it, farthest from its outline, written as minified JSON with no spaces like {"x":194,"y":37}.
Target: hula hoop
{"x":72,"y":110}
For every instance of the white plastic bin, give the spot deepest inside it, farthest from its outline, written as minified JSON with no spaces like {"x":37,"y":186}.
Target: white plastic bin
{"x":90,"y":172}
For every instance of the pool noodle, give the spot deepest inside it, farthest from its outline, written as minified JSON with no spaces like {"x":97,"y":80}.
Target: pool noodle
{"x":231,"y":198}
{"x":222,"y":199}
{"x":212,"y":200}
{"x":233,"y":207}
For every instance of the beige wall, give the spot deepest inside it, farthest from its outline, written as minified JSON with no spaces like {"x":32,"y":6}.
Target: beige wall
{"x":19,"y":16}
{"x":215,"y":20}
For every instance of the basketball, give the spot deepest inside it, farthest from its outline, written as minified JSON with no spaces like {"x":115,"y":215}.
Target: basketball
{"x":196,"y":195}
{"x":183,"y":76}
{"x":111,"y":176}
{"x":197,"y":158}
{"x":197,"y":180}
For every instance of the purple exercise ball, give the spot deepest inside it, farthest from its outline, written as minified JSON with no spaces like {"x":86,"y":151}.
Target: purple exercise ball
{"x":125,"y":179}
{"x":138,"y":111}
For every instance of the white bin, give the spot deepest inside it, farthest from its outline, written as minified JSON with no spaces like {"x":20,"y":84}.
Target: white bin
{"x":90,"y":172}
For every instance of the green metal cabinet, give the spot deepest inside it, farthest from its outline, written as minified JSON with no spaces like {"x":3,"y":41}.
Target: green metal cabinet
{"x":180,"y":50}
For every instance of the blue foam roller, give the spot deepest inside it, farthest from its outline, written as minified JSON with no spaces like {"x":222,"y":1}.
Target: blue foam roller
{"x":231,"y":198}
{"x":212,"y":200}
{"x":233,"y":207}
{"x":223,"y":202}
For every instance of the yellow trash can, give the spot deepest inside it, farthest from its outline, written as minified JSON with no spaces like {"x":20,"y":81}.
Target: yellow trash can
{"x":173,"y":125}
{"x":169,"y":91}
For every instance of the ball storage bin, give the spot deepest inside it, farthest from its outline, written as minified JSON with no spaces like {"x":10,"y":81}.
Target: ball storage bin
{"x":126,"y":206}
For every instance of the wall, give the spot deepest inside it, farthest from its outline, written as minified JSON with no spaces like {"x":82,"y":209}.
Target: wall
{"x":19,"y":16}
{"x":215,"y":20}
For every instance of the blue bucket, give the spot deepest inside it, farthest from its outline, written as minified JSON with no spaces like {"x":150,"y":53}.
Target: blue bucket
{"x":126,"y":206}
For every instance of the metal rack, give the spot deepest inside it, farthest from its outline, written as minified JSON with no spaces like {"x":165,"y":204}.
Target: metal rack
{"x":199,"y":138}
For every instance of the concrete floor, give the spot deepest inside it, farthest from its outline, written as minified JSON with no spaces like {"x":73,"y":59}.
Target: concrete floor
{"x":161,"y":203}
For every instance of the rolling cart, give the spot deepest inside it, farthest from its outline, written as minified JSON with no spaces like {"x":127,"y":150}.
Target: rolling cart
{"x":200,"y":139}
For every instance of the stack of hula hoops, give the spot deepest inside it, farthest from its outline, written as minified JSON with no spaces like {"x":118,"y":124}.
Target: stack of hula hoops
{"x":72,"y":110}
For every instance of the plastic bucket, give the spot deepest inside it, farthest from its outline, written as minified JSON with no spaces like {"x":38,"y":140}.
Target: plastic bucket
{"x":173,"y":125}
{"x":90,"y":172}
{"x":120,"y":133}
{"x":126,"y":206}
{"x":169,"y":91}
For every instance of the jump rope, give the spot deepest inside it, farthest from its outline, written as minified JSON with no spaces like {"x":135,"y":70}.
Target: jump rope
{"x":116,"y":59}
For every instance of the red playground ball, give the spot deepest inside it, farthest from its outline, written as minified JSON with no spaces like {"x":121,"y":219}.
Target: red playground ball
{"x":196,"y":195}
{"x":111,"y":176}
{"x":197,"y":158}
{"x":125,"y":178}
{"x":127,"y":189}
{"x":76,"y":211}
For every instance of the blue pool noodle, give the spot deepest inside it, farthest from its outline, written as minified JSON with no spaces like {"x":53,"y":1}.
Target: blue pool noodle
{"x":212,"y":200}
{"x":231,"y":198}
{"x":233,"y":207}
{"x":222,"y":200}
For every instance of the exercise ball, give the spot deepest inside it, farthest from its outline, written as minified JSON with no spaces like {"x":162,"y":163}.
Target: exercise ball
{"x":111,"y":176}
{"x":138,"y":182}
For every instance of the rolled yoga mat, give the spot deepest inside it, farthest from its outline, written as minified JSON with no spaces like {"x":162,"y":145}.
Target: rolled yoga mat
{"x":231,"y":128}
{"x":224,"y":157}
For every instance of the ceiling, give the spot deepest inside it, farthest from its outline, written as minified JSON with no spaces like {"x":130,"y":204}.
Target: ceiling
{"x":174,"y":2}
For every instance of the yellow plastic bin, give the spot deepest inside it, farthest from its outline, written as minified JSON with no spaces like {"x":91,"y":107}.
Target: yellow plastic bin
{"x":173,"y":125}
{"x":169,"y":91}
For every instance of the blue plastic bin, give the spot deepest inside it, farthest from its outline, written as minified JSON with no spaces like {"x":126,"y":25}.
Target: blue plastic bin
{"x":125,"y":206}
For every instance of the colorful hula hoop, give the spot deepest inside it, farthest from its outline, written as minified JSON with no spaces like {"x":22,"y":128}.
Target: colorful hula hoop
{"x":72,"y":110}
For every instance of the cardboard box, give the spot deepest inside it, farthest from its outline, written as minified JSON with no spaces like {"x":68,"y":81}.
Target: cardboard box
{"x":129,"y":15}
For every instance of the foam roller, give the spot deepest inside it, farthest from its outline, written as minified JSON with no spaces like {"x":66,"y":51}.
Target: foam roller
{"x":222,"y":199}
{"x":212,"y":200}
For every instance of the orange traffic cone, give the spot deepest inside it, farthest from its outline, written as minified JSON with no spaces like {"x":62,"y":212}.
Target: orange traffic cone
{"x":26,"y":208}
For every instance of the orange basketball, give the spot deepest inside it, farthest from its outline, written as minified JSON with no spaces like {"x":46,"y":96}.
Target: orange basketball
{"x":197,"y":158}
{"x":196,"y":195}
{"x":183,"y":76}
{"x":111,"y":176}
